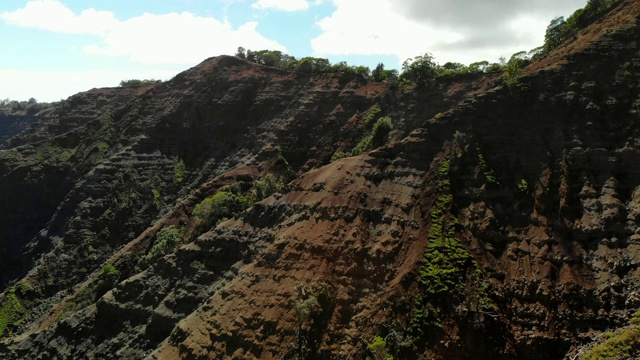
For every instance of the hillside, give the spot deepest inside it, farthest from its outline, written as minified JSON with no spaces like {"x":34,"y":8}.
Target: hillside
{"x":203,"y":217}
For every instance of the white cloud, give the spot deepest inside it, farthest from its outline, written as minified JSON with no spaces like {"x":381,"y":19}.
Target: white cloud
{"x":174,"y":38}
{"x":47,"y":86}
{"x":454,"y":30}
{"x":284,"y":5}
{"x":53,"y":16}
{"x":177,"y":39}
{"x":372,"y":28}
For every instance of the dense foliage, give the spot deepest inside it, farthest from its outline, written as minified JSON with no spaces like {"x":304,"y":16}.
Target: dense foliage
{"x":377,"y":130}
{"x":138,"y":82}
{"x":31,"y":105}
{"x":277,"y":59}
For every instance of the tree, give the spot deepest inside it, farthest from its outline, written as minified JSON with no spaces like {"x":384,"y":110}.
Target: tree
{"x":555,"y":33}
{"x":380,"y":132}
{"x":421,"y":69}
{"x":512,"y":76}
{"x":138,"y":82}
{"x":479,"y":66}
{"x":241,"y":53}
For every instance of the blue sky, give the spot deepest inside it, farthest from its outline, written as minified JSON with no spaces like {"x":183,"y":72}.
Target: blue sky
{"x":55,"y":48}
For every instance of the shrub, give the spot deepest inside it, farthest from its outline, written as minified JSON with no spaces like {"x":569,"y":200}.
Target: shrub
{"x":167,"y":240}
{"x":138,"y":83}
{"x":371,"y":114}
{"x":179,"y":170}
{"x":380,"y":132}
{"x":378,"y":349}
{"x":523,"y":186}
{"x":624,"y":344}
{"x":377,"y":137}
{"x":512,"y":76}
{"x":109,"y":273}
{"x":12,"y":312}
{"x":227,"y":202}
{"x":313,"y":308}
{"x":267,"y":186}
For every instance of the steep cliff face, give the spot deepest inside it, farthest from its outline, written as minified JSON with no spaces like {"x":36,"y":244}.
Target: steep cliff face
{"x":500,"y":222}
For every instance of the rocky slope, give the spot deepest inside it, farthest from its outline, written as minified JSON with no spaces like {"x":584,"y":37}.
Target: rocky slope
{"x":499,"y":222}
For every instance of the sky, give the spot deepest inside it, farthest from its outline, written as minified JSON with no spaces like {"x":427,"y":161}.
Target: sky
{"x":52,"y":49}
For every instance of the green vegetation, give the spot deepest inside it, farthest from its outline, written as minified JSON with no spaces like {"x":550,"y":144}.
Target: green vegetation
{"x":267,"y":186}
{"x":379,"y":74}
{"x":623,"y":344}
{"x":108,"y":277}
{"x":448,"y":275}
{"x":423,"y":70}
{"x":523,"y":186}
{"x":313,"y":308}
{"x":138,"y":83}
{"x":109,"y":273}
{"x":513,"y":72}
{"x":30,"y":106}
{"x":227,"y":202}
{"x":179,"y":171}
{"x":49,"y":153}
{"x":24,"y":288}
{"x":84,"y":298}
{"x":156,"y":197}
{"x":376,"y":137}
{"x":12,"y":312}
{"x":371,"y":115}
{"x":277,"y":59}
{"x":486,"y":170}
{"x":378,"y":349}
{"x":560,"y":29}
{"x":166,"y":242}
{"x":420,"y":70}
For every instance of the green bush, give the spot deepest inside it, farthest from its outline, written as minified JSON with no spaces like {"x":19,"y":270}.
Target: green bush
{"x":12,"y":312}
{"x":513,"y":72}
{"x":109,"y":273}
{"x":623,"y":344}
{"x":179,"y":170}
{"x":167,"y":240}
{"x":377,"y":137}
{"x":380,"y":133}
{"x":226,"y":203}
{"x":378,"y":348}
{"x":267,"y":186}
{"x":523,"y":186}
{"x":138,"y":83}
{"x":370,"y":115}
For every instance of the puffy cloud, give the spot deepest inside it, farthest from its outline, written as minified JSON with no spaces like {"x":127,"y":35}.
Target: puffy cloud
{"x":453,"y":30}
{"x":53,"y":16}
{"x":177,"y":39}
{"x":284,"y":5}
{"x":481,"y":14}
{"x":47,"y":86}
{"x":174,"y":38}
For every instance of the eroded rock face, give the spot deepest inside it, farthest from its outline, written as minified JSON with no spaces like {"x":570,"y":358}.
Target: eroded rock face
{"x":504,"y":227}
